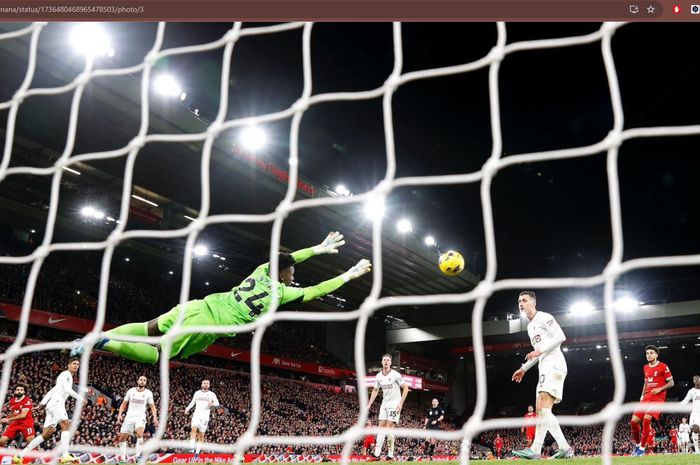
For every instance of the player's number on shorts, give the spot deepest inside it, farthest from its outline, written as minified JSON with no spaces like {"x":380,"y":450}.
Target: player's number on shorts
{"x":542,"y":379}
{"x":30,"y":431}
{"x":247,"y":286}
{"x":392,"y":413}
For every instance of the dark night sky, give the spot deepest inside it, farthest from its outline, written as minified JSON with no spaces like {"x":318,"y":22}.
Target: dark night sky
{"x":552,"y":218}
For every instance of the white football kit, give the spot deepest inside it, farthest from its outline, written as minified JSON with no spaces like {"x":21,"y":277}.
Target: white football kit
{"x":55,"y":399}
{"x":546,"y":336}
{"x":693,"y":396}
{"x":202,"y":401}
{"x":391,"y":385}
{"x":684,"y":433}
{"x":136,"y":413}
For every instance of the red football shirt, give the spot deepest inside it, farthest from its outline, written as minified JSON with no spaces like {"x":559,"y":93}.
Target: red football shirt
{"x":673,"y":433}
{"x":531,"y":415}
{"x":656,"y":376}
{"x":17,"y":406}
{"x":498,"y":443}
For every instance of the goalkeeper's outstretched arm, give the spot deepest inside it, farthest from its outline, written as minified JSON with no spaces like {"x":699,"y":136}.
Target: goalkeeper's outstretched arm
{"x":326,"y":287}
{"x":329,"y":245}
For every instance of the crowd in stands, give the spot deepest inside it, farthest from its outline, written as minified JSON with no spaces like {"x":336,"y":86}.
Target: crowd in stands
{"x":289,"y":407}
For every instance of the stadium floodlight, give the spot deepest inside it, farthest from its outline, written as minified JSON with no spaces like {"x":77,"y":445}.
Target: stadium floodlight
{"x":342,"y":190}
{"x":253,"y":138}
{"x":87,"y":211}
{"x":170,"y":272}
{"x":127,"y":259}
{"x":98,"y":215}
{"x":200,"y":249}
{"x":374,"y":209}
{"x":91,"y":40}
{"x":565,"y":349}
{"x":625,"y":304}
{"x":71,"y":170}
{"x":138,"y":197}
{"x":183,"y":96}
{"x":166,"y":85}
{"x":429,"y":241}
{"x":581,"y":309}
{"x":404,"y":226}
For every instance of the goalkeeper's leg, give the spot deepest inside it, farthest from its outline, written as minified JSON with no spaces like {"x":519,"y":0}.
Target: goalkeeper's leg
{"x":137,"y":351}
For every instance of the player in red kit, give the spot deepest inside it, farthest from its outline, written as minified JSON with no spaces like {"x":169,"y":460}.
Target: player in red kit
{"x":498,"y":445}
{"x":369,"y":441}
{"x":20,"y":419}
{"x":651,"y":441}
{"x":673,"y":434}
{"x":530,"y":430}
{"x":657,"y":380}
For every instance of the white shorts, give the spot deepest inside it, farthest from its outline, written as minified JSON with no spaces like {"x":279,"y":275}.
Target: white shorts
{"x":200,"y":422}
{"x":694,"y":419}
{"x":551,"y":380}
{"x":389,"y":414}
{"x":131,"y":424}
{"x":683,"y":437}
{"x":54,"y":415}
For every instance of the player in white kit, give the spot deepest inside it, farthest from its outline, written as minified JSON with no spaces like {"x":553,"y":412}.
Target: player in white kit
{"x":202,"y":401}
{"x":694,"y":396}
{"x":683,"y":435}
{"x":390,"y":411}
{"x":135,"y":422}
{"x":546,"y":337}
{"x":56,"y":415}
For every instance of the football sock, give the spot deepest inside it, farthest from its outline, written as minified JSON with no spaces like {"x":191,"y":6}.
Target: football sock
{"x":32,"y":445}
{"x":139,"y":446}
{"x":646,"y":427}
{"x":391,"y":445}
{"x":635,"y":432}
{"x":122,"y":450}
{"x":554,"y":428}
{"x":65,"y":441}
{"x":380,"y":443}
{"x":540,"y":433}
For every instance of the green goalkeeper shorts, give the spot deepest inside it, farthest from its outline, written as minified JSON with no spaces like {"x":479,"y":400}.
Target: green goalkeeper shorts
{"x":197,"y":313}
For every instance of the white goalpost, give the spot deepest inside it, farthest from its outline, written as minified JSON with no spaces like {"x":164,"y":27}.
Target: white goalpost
{"x":500,"y":51}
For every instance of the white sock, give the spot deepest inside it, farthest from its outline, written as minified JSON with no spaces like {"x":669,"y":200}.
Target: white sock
{"x":391,"y":445}
{"x":695,"y":443}
{"x":32,"y":445}
{"x":139,"y":446}
{"x":555,"y":429}
{"x":540,"y":432}
{"x":65,"y":441}
{"x":122,"y":450}
{"x":380,"y":443}
{"x":192,"y":444}
{"x":199,"y":447}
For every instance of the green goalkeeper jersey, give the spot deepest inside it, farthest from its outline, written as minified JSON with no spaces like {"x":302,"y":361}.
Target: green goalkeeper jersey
{"x":253,"y":297}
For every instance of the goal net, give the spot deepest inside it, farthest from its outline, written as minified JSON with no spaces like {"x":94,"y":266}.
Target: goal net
{"x":129,"y":153}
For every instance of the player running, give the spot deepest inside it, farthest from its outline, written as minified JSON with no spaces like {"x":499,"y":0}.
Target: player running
{"x":243,"y":304}
{"x":546,"y":337}
{"x":390,"y":411}
{"x":657,"y":380}
{"x":135,"y":422}
{"x":529,"y":430}
{"x":432,"y":421}
{"x":694,"y":396}
{"x":20,"y":420}
{"x":56,"y":415}
{"x":202,"y":401}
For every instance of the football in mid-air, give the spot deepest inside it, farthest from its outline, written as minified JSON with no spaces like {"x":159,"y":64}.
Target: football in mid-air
{"x":451,"y":263}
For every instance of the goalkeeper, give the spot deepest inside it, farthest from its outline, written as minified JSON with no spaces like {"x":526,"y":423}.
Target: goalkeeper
{"x":243,"y":304}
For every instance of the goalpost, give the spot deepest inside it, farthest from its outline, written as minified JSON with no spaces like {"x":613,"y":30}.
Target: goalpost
{"x":500,"y":51}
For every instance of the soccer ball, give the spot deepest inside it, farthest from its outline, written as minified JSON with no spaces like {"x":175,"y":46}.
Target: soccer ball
{"x":451,"y":263}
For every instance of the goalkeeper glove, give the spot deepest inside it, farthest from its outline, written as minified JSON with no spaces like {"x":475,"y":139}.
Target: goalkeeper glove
{"x":364,"y":266}
{"x":330,"y":244}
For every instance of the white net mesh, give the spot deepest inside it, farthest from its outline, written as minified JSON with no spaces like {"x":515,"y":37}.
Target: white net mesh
{"x":476,"y":423}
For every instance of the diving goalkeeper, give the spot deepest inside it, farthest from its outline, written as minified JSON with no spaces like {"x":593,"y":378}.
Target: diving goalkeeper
{"x":243,"y":304}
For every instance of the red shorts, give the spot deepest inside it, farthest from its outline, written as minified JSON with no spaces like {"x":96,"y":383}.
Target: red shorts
{"x":530,"y":434}
{"x":652,"y":413}
{"x":674,"y":440}
{"x":369,"y":442}
{"x":16,"y":428}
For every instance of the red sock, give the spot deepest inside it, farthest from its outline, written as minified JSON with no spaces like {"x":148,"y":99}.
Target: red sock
{"x":635,"y":431}
{"x":646,"y":426}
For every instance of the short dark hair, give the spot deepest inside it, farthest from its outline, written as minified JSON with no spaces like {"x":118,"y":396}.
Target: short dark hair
{"x":530,"y":294}
{"x":651,"y":347}
{"x":285,"y":260}
{"x":22,"y":385}
{"x":388,"y":355}
{"x":73,"y":359}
